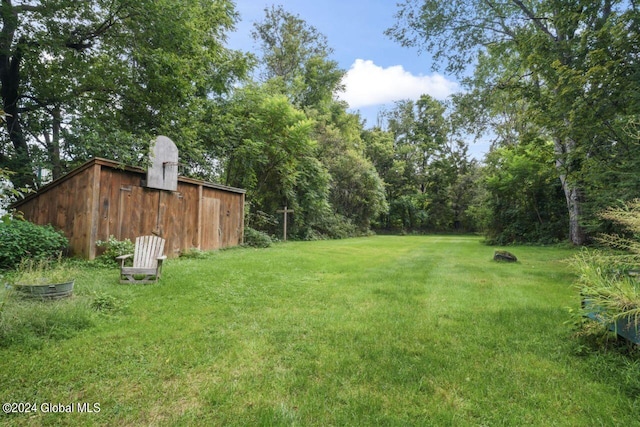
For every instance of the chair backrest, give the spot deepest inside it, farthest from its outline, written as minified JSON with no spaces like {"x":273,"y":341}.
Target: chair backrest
{"x":147,"y":251}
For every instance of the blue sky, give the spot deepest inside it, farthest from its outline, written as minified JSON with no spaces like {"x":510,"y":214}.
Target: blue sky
{"x":379,"y":70}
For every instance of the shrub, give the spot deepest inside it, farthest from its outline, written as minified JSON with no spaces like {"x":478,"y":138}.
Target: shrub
{"x":22,"y":239}
{"x":113,"y":248}
{"x":335,"y":226}
{"x":608,"y":279}
{"x":256,"y":239}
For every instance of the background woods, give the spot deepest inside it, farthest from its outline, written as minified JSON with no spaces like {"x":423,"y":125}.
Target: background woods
{"x":553,"y":84}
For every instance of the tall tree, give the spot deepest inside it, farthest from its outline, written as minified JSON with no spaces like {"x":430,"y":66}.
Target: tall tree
{"x":523,"y":200}
{"x":85,"y":78}
{"x":553,"y":53}
{"x":265,"y":145}
{"x":423,"y":167}
{"x":297,"y":63}
{"x":296,"y":56}
{"x":357,"y":191}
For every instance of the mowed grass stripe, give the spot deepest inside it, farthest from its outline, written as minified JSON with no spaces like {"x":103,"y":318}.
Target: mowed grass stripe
{"x":387,"y":330}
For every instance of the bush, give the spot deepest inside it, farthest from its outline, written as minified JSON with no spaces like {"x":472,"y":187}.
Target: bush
{"x":22,"y":239}
{"x":256,"y":239}
{"x":113,"y":248}
{"x":336,"y":226}
{"x":608,"y":279}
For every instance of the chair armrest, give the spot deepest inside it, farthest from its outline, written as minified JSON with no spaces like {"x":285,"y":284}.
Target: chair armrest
{"x":121,"y":258}
{"x":162,"y":258}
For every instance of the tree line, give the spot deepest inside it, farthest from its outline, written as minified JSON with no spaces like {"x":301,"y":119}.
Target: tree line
{"x":555,"y":82}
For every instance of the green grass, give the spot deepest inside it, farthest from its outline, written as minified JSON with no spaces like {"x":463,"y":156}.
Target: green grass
{"x":374,"y":331}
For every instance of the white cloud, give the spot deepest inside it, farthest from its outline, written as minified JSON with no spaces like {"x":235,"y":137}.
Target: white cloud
{"x":368,"y":84}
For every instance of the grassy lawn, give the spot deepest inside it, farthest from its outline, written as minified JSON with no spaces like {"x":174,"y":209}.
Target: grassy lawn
{"x":374,"y":331}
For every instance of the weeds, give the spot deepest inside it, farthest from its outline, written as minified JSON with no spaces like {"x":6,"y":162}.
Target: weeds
{"x":41,"y":272}
{"x":31,"y":323}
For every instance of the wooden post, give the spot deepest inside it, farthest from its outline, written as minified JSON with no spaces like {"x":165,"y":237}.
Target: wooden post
{"x":285,"y":211}
{"x":199,"y":216}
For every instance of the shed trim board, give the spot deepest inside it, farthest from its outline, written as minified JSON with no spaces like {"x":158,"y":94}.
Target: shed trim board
{"x":101,"y":198}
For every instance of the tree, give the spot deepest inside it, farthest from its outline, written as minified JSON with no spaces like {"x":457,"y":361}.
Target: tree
{"x":420,"y":133}
{"x":85,"y":78}
{"x":296,"y":56}
{"x":574,"y":62}
{"x":297,"y":64}
{"x":357,"y":192}
{"x":264,"y":144}
{"x":524,"y":201}
{"x":425,"y":168}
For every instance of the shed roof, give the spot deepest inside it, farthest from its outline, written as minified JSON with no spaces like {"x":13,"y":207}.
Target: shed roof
{"x":115,"y":165}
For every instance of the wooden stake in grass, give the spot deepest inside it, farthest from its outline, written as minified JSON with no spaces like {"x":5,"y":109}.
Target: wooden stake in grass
{"x":284,"y":212}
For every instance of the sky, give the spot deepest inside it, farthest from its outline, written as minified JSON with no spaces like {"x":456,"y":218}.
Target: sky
{"x":379,"y":70}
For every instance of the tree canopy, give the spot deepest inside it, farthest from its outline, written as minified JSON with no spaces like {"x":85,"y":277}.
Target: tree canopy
{"x":555,"y":82}
{"x":100,"y":77}
{"x":574,"y":63}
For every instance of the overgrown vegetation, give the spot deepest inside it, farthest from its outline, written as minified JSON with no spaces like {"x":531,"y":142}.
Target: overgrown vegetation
{"x":113,"y":248}
{"x":545,"y":74}
{"x":40,"y":272}
{"x":256,"y":239}
{"x":561,"y":109}
{"x":608,"y":282}
{"x":30,"y":324}
{"x":21,"y":239}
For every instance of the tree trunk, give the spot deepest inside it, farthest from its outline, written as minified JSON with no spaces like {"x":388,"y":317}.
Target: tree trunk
{"x":54,"y":147}
{"x":19,"y":161}
{"x":572,"y":192}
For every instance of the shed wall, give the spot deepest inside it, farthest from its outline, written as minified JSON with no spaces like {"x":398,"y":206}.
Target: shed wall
{"x":98,"y":201}
{"x":67,"y":207}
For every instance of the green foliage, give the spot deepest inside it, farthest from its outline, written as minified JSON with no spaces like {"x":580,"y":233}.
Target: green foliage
{"x":108,"y":304}
{"x":113,"y":248}
{"x":608,"y":280}
{"x":357,"y":191}
{"x":33,"y":271}
{"x":256,"y":239}
{"x":523,"y":200}
{"x":430,"y":182}
{"x":570,"y":70}
{"x":9,"y":194}
{"x":116,"y":73}
{"x":335,"y":186}
{"x":607,"y":289}
{"x":22,"y":239}
{"x":295,"y":57}
{"x":333,"y":226}
{"x":267,"y":148}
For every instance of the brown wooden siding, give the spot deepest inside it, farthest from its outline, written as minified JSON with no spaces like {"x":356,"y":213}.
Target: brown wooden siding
{"x":101,"y":199}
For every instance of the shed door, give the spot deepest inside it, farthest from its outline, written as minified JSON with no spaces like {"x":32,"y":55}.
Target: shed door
{"x":129,"y":212}
{"x":210,"y":223}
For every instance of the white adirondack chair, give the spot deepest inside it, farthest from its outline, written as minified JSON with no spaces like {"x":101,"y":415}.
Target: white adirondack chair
{"x":147,"y":261}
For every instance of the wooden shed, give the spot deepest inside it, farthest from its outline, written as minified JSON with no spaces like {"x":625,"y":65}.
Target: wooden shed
{"x":103,"y":198}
